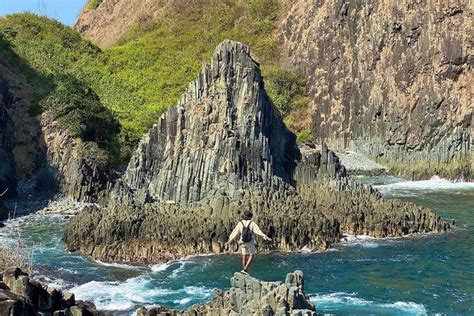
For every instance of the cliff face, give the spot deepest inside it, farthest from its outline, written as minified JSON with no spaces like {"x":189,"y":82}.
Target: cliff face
{"x":111,"y":19}
{"x":32,"y":145}
{"x":221,"y":151}
{"x":223,"y":134}
{"x":7,"y":140}
{"x":77,"y":166}
{"x":250,"y":296}
{"x":389,"y":79}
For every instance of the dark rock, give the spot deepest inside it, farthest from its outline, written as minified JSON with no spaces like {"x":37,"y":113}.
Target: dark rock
{"x":250,"y":296}
{"x":21,"y":296}
{"x":7,"y":142}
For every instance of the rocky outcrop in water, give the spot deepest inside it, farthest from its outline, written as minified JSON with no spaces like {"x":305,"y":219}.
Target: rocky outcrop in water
{"x":223,"y":150}
{"x":250,"y":296}
{"x":389,"y":80}
{"x":21,"y":296}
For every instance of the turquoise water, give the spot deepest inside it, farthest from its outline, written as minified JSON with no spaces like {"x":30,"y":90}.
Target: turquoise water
{"x":409,"y":276}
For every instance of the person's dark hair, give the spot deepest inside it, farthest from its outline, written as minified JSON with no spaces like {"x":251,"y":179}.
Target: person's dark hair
{"x":247,"y":215}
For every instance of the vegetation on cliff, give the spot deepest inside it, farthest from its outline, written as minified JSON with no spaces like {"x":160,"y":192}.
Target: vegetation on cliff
{"x":144,"y":74}
{"x":48,"y":55}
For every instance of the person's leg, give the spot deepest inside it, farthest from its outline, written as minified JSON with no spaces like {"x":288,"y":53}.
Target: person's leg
{"x":249,"y":262}
{"x":244,"y":261}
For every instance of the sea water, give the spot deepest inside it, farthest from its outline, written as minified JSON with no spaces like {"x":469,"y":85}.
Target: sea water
{"x":414,"y":275}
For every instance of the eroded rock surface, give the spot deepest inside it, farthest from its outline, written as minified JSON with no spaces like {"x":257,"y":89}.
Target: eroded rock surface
{"x":224,"y":133}
{"x":221,"y":151}
{"x":21,"y":296}
{"x":250,"y":296}
{"x":111,"y":19}
{"x":389,"y":79}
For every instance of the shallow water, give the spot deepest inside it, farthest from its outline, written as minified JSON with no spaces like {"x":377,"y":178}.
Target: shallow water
{"x":409,"y":276}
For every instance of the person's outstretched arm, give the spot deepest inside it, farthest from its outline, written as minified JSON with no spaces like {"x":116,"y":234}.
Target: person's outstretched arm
{"x":234,"y":233}
{"x":259,"y":232}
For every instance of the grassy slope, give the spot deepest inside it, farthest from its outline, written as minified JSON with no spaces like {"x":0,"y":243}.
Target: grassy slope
{"x":144,"y":74}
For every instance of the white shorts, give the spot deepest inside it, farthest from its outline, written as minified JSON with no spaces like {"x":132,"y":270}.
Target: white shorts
{"x":248,"y":248}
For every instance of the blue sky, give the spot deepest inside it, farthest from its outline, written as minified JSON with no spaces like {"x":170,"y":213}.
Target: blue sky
{"x":65,"y":11}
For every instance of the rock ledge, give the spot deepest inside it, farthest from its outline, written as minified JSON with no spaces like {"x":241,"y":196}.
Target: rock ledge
{"x":250,"y":296}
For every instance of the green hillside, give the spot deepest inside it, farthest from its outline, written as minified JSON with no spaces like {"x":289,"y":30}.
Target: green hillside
{"x":144,"y":74}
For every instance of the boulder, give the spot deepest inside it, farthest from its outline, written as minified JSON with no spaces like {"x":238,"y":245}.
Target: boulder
{"x":21,"y":296}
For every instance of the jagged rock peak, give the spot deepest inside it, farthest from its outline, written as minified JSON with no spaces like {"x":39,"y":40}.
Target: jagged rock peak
{"x":223,"y":133}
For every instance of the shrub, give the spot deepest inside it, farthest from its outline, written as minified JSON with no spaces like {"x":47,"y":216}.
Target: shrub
{"x":286,"y":89}
{"x":94,"y":4}
{"x":304,"y":136}
{"x":79,"y":109}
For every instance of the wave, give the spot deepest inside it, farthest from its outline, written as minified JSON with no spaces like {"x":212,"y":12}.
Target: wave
{"x":119,"y":265}
{"x":341,"y":303}
{"x":136,"y":292}
{"x":434,"y":184}
{"x":359,"y":240}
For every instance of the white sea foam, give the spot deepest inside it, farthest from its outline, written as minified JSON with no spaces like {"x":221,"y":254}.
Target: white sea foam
{"x":359,"y":240}
{"x":338,"y":301}
{"x":139,"y":291}
{"x":161,"y":267}
{"x":119,"y":265}
{"x":434,"y":184}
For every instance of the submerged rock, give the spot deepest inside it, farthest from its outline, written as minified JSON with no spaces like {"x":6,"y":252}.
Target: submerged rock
{"x":250,"y":296}
{"x":222,"y":150}
{"x":21,"y":296}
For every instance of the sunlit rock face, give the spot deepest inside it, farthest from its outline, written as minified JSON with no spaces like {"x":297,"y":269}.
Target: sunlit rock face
{"x":223,"y":133}
{"x":389,"y":79}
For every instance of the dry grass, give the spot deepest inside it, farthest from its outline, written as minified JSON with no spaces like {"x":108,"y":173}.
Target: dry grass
{"x":17,"y":254}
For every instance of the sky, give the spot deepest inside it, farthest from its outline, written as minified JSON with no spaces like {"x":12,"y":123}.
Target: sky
{"x":65,"y":11}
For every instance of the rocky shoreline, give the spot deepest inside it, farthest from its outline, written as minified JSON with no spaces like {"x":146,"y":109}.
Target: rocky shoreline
{"x":250,"y":296}
{"x":19,"y":295}
{"x":223,"y":149}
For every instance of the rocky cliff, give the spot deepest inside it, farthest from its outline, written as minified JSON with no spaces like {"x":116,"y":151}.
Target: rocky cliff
{"x":223,"y":134}
{"x":103,"y":22}
{"x":390,"y":79}
{"x":21,"y":296}
{"x":222,"y":150}
{"x":250,"y":296}
{"x":36,"y":146}
{"x":7,"y":140}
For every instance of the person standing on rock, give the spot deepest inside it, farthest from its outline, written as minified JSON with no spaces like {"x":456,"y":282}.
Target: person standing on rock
{"x":247,"y":229}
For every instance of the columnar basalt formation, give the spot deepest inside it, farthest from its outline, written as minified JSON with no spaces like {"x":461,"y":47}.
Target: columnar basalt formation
{"x":250,"y":296}
{"x":223,"y":133}
{"x":223,"y":150}
{"x":390,"y":79}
